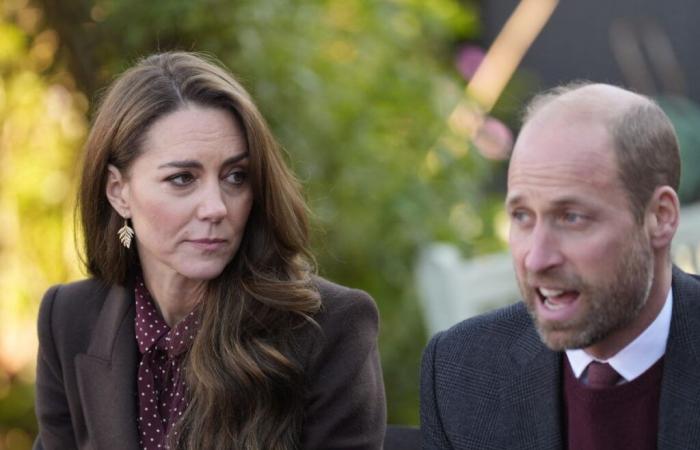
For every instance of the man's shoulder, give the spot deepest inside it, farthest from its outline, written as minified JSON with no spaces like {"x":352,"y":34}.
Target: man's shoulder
{"x":686,"y":299}
{"x":488,"y":331}
{"x":685,"y":321}
{"x":483,"y":344}
{"x":686,"y":286}
{"x":471,"y":360}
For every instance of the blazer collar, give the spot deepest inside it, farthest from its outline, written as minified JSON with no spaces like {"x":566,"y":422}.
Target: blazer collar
{"x":533,"y":395}
{"x":107,"y":376}
{"x":534,"y":388}
{"x":679,"y":408}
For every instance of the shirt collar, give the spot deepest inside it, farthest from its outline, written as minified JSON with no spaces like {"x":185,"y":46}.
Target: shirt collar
{"x":153,"y":332}
{"x":640,"y":354}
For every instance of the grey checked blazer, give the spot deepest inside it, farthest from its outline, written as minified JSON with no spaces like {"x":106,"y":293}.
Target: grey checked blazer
{"x":490,"y":383}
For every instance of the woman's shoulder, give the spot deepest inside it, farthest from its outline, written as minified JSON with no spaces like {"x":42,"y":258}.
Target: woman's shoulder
{"x":80,"y":288}
{"x":75,"y":294}
{"x":71,"y":302}
{"x":343,"y":377}
{"x":344,"y":302}
{"x":346,"y":314}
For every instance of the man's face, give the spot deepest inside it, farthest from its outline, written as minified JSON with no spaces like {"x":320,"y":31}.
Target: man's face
{"x":584,"y":265}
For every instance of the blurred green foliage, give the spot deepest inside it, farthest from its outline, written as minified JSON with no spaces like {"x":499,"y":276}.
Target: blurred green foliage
{"x":42,"y":124}
{"x":357,"y":91}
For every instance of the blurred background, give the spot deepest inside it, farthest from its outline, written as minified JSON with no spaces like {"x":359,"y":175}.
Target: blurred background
{"x":398,"y":116}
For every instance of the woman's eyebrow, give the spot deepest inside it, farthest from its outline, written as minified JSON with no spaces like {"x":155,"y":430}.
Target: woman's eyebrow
{"x":194,"y":164}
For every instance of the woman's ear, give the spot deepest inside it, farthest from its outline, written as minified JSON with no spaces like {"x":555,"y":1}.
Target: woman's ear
{"x":663,"y":215}
{"x":117,"y":191}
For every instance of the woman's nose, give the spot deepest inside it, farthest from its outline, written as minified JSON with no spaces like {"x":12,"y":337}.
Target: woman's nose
{"x":212,"y":206}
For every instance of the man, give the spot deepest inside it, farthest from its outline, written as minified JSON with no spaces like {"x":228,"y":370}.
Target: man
{"x":603,"y":351}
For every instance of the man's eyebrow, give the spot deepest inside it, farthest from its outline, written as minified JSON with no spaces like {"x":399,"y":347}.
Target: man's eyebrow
{"x":567,"y":201}
{"x":194,"y":164}
{"x":556,"y":203}
{"x":513,"y":199}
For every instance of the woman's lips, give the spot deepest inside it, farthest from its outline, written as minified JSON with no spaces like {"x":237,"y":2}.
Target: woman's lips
{"x":208,"y":244}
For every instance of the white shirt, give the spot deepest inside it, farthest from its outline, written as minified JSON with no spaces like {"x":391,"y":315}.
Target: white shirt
{"x":639,"y":355}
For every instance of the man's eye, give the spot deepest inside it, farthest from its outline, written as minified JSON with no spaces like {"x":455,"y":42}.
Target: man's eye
{"x":572,"y":217}
{"x":180,"y":179}
{"x":518,"y":216}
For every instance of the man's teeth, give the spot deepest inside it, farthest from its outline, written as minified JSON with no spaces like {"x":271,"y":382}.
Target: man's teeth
{"x":553,"y":306}
{"x":551,"y":292}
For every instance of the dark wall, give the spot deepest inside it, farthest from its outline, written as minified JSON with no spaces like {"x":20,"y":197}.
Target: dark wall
{"x":576,"y":42}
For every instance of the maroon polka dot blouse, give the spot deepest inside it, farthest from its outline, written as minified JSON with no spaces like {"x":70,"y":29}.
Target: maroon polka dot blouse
{"x":161,"y":378}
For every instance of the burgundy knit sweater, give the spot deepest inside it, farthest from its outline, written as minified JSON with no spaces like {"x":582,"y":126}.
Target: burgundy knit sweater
{"x":621,"y":417}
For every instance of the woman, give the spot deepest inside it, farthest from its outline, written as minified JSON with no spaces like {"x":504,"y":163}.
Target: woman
{"x":203,"y":326}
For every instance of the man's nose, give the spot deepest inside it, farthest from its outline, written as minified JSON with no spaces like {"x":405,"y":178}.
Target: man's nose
{"x":543,"y":252}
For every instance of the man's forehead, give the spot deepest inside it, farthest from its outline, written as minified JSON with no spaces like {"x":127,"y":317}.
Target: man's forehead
{"x":564,"y":141}
{"x":545,"y":192}
{"x":568,"y":142}
{"x":563,"y":155}
{"x":574,"y":168}
{"x":560,"y":188}
{"x":595,"y":105}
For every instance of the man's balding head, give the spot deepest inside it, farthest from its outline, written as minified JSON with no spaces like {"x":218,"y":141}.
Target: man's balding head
{"x":645,"y":143}
{"x":593,"y":207}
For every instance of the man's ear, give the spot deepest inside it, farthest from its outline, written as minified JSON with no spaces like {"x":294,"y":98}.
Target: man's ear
{"x":662,"y":216}
{"x":117,"y":191}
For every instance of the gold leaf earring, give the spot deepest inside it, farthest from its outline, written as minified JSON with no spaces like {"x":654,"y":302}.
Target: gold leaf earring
{"x":126,"y":233}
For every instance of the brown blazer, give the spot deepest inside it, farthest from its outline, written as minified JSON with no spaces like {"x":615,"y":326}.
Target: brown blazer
{"x":86,"y":371}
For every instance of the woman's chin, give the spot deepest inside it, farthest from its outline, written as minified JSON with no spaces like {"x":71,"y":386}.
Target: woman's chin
{"x":204,"y":272}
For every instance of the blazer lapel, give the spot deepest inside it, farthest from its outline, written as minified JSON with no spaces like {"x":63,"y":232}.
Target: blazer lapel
{"x":107,"y":376}
{"x":532,"y":418}
{"x":679,"y":409}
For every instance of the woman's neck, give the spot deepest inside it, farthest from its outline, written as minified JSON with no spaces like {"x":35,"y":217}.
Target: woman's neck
{"x":174,"y":295}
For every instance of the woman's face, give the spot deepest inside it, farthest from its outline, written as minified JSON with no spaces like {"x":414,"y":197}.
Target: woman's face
{"x":188,"y":195}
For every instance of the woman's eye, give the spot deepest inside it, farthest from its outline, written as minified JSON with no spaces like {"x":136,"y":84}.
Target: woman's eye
{"x":181,"y":179}
{"x":237,"y":177}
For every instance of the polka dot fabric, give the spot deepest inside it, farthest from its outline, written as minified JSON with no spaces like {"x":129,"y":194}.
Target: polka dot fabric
{"x":161,"y":379}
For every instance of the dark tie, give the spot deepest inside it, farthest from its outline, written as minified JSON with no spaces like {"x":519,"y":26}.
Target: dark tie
{"x":601,"y":375}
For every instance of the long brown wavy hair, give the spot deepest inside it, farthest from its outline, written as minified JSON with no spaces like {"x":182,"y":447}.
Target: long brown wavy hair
{"x":244,"y":381}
